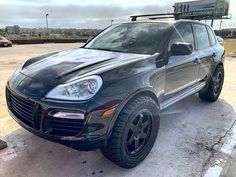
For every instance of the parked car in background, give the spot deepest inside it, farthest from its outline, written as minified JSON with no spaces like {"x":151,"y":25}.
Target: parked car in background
{"x":4,"y":42}
{"x":108,"y":94}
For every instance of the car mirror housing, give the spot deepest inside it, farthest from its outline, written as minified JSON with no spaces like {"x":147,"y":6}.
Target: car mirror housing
{"x":181,"y":49}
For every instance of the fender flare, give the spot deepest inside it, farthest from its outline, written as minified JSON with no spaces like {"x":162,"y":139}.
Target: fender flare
{"x":149,"y":91}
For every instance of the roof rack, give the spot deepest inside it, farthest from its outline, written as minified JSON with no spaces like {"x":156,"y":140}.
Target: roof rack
{"x":195,"y":15}
{"x":154,"y":16}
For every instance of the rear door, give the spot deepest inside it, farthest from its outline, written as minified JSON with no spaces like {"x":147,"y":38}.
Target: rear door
{"x":181,"y":70}
{"x":218,"y":49}
{"x":205,"y":51}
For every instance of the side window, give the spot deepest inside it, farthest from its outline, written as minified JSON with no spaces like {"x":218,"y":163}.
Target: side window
{"x":182,"y":33}
{"x":202,"y":36}
{"x":211,"y":36}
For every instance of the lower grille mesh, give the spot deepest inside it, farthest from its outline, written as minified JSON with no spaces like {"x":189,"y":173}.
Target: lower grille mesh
{"x":22,"y":108}
{"x":66,"y":127}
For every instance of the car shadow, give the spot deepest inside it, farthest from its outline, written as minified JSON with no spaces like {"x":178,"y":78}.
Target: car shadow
{"x":187,"y":128}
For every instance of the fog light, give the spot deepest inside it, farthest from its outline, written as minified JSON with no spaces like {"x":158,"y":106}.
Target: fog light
{"x":68,"y":115}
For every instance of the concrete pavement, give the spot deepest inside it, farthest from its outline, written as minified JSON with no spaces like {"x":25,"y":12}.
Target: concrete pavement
{"x":183,"y":148}
{"x":196,"y":138}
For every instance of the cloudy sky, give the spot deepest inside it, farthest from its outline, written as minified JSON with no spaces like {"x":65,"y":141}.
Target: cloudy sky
{"x":84,"y":13}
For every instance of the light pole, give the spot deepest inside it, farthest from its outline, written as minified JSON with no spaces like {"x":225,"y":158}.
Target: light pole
{"x":220,"y":26}
{"x":47,"y":25}
{"x":112,"y":21}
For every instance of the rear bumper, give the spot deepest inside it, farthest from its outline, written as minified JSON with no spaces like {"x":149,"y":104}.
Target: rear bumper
{"x":83,"y":143}
{"x":4,"y":44}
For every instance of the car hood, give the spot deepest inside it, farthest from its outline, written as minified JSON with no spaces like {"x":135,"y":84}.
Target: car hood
{"x":73,"y":62}
{"x":41,"y":74}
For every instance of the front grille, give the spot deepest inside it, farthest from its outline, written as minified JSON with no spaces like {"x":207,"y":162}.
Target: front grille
{"x":66,"y":127}
{"x":38,"y":117}
{"x":22,"y":108}
{"x":31,"y":114}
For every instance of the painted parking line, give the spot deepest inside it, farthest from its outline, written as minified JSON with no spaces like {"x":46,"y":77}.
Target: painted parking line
{"x":226,"y":148}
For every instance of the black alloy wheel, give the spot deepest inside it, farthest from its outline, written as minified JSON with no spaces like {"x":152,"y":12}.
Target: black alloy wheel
{"x":213,"y":89}
{"x":139,"y":132}
{"x":134,"y":132}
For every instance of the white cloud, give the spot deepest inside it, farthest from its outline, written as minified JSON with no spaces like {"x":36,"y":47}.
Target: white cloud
{"x":84,"y":13}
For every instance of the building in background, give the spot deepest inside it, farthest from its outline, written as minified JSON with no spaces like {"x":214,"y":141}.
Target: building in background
{"x":13,"y":29}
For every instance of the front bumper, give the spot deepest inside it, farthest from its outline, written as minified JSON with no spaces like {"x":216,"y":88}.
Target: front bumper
{"x":83,"y":143}
{"x":90,"y":135}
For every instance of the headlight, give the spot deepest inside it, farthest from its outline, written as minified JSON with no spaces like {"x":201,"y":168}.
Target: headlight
{"x":80,"y":89}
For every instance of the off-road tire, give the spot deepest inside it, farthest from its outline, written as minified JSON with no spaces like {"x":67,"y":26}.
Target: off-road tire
{"x":118,"y":146}
{"x":213,"y":89}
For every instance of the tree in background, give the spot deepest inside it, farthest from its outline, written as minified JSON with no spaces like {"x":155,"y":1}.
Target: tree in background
{"x":3,"y":33}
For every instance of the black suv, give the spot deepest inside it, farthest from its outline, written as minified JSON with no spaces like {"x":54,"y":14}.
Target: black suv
{"x":108,"y":94}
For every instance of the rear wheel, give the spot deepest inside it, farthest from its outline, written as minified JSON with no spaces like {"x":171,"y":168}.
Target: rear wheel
{"x":212,"y":91}
{"x":134,"y":133}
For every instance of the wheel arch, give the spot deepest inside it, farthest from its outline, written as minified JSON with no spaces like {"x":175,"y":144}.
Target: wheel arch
{"x":221,"y":61}
{"x":144,"y":91}
{"x":217,"y":65}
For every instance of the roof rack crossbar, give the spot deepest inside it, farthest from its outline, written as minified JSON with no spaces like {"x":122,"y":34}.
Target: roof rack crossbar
{"x":134,"y":17}
{"x":178,"y":16}
{"x":156,"y":18}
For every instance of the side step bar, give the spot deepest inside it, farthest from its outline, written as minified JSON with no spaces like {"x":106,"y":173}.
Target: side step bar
{"x":183,"y":95}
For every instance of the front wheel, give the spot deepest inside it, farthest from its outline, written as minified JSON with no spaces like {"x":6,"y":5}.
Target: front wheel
{"x":213,"y":89}
{"x":134,"y":133}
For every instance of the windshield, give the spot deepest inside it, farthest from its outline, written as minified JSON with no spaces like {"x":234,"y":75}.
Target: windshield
{"x":2,"y":38}
{"x":142,"y":38}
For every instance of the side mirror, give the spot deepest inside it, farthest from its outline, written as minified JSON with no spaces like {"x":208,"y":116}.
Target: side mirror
{"x":220,"y":40}
{"x":181,"y":49}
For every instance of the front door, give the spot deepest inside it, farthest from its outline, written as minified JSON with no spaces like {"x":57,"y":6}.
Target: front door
{"x":181,"y":70}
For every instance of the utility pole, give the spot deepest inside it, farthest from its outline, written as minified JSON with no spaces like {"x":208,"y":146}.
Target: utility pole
{"x":112,"y":21}
{"x":212,"y":23}
{"x":47,"y":26}
{"x":220,"y":26}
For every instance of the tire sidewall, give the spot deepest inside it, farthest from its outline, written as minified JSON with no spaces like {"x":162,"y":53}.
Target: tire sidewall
{"x":140,"y":156}
{"x":221,"y":70}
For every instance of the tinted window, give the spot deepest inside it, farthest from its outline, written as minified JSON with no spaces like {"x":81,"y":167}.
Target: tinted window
{"x":143,"y":38}
{"x":202,"y":36}
{"x":182,"y":33}
{"x":211,"y":36}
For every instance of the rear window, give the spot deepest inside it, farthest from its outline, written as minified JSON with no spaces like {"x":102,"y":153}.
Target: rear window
{"x":202,"y":36}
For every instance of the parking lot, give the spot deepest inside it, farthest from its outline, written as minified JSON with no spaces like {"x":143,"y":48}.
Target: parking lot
{"x":195,"y":139}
